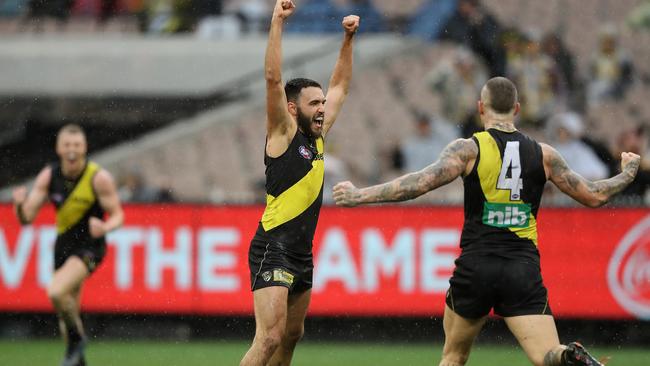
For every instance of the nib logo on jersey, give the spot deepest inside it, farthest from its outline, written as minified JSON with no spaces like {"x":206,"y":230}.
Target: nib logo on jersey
{"x":629,"y":270}
{"x":506,"y":214}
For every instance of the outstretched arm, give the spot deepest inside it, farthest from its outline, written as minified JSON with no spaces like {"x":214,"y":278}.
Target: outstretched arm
{"x":588,"y":193}
{"x":340,"y":80}
{"x":278,"y":122}
{"x":27,"y":205}
{"x":455,"y":160}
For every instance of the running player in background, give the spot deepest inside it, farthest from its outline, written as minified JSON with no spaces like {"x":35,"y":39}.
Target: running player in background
{"x":280,"y":255}
{"x":82,"y":193}
{"x":504,"y":173}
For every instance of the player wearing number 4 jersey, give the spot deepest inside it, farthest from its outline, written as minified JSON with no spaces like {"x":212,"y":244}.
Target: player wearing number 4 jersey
{"x":504,"y":173}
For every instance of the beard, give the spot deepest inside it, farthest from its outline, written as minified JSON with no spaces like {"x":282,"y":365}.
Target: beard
{"x":305,"y":125}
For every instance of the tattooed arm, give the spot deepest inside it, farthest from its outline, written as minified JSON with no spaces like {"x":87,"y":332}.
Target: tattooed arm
{"x":591,"y":194}
{"x":455,"y":160}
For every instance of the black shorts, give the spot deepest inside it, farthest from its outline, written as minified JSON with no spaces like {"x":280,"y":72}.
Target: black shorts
{"x":271,"y":264}
{"x":511,"y":287}
{"x":91,"y":253}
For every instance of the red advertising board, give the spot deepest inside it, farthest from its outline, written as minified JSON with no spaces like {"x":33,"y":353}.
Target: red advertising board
{"x":377,"y":261}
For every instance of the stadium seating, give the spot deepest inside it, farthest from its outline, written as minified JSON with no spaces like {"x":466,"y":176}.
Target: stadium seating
{"x":228,"y":155}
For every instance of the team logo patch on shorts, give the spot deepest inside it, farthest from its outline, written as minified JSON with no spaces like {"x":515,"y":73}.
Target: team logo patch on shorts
{"x":266,"y":276}
{"x":89,"y":260}
{"x":280,"y":275}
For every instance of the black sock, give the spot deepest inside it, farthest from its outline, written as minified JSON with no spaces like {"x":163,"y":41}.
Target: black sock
{"x":565,"y":361}
{"x":73,"y":335}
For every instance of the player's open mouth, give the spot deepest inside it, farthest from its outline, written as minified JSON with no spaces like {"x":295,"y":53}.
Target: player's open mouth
{"x":319,"y":121}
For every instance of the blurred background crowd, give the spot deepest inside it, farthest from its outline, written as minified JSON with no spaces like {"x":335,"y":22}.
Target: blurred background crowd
{"x":581,"y":70}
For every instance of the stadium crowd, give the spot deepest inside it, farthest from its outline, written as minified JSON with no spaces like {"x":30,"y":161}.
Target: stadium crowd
{"x":574,"y":86}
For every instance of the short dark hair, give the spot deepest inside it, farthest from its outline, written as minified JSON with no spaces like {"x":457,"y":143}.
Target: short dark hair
{"x":502,"y":94}
{"x":71,"y":128}
{"x":294,"y":86}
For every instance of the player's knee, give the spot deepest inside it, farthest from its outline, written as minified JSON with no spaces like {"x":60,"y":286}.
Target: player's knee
{"x":271,"y":339}
{"x":56,"y":294}
{"x":293,"y":335}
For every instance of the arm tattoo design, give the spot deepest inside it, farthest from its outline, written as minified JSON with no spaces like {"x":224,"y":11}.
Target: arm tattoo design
{"x":450,"y":165}
{"x":603,"y":189}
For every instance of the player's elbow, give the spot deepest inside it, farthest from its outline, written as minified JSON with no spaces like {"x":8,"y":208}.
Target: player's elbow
{"x":272,"y":76}
{"x":596,"y":201}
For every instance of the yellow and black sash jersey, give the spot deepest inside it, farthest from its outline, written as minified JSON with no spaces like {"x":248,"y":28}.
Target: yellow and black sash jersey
{"x":294,"y":194}
{"x":75,"y":202}
{"x":502,"y":195}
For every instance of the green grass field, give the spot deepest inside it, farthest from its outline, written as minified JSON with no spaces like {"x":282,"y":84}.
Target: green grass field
{"x":139,"y":353}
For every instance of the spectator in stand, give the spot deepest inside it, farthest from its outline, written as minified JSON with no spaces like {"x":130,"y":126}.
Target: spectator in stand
{"x":537,"y":79}
{"x":253,"y":16}
{"x":167,"y":16}
{"x":39,"y":10}
{"x":611,"y":70}
{"x":473,"y":26}
{"x":107,"y":10}
{"x":431,"y":136}
{"x":458,"y":81}
{"x":556,"y":50}
{"x":513,"y":43}
{"x":566,"y":130}
{"x":133,"y":188}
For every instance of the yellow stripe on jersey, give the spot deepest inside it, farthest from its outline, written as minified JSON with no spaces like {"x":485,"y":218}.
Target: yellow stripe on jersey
{"x":80,"y":200}
{"x":295,"y":200}
{"x":488,"y":170}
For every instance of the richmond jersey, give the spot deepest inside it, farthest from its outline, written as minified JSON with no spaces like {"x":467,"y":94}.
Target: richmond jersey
{"x":75,"y":202}
{"x":294,"y":187}
{"x":502,"y":196}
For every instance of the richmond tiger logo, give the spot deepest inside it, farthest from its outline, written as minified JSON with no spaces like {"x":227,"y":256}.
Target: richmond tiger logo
{"x":629,"y":270}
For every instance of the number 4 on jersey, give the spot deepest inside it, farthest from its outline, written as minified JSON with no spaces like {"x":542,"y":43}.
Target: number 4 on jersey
{"x":511,"y":163}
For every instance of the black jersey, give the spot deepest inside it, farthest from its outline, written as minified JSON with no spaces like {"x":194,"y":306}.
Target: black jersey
{"x":294,"y":194}
{"x":75,"y":202}
{"x":502,"y":195}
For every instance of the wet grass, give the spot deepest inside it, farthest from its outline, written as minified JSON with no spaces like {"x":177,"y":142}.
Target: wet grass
{"x":102,"y":353}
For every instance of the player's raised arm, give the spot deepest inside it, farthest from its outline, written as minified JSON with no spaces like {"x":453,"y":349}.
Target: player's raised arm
{"x":27,"y":205}
{"x":455,"y":160}
{"x":340,"y":80}
{"x":109,"y":201}
{"x":588,"y":193}
{"x":279,"y":121}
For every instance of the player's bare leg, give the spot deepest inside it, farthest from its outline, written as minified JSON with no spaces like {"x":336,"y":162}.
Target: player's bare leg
{"x":459,"y":336}
{"x":62,"y":327}
{"x":64,"y":292}
{"x":297,"y":310}
{"x":270,"y":305}
{"x":538,"y":337}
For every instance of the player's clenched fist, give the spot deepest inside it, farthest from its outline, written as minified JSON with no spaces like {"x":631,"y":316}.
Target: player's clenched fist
{"x":284,"y":8}
{"x":96,"y":227}
{"x":351,"y":23}
{"x":345,"y":194}
{"x":630,"y":162}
